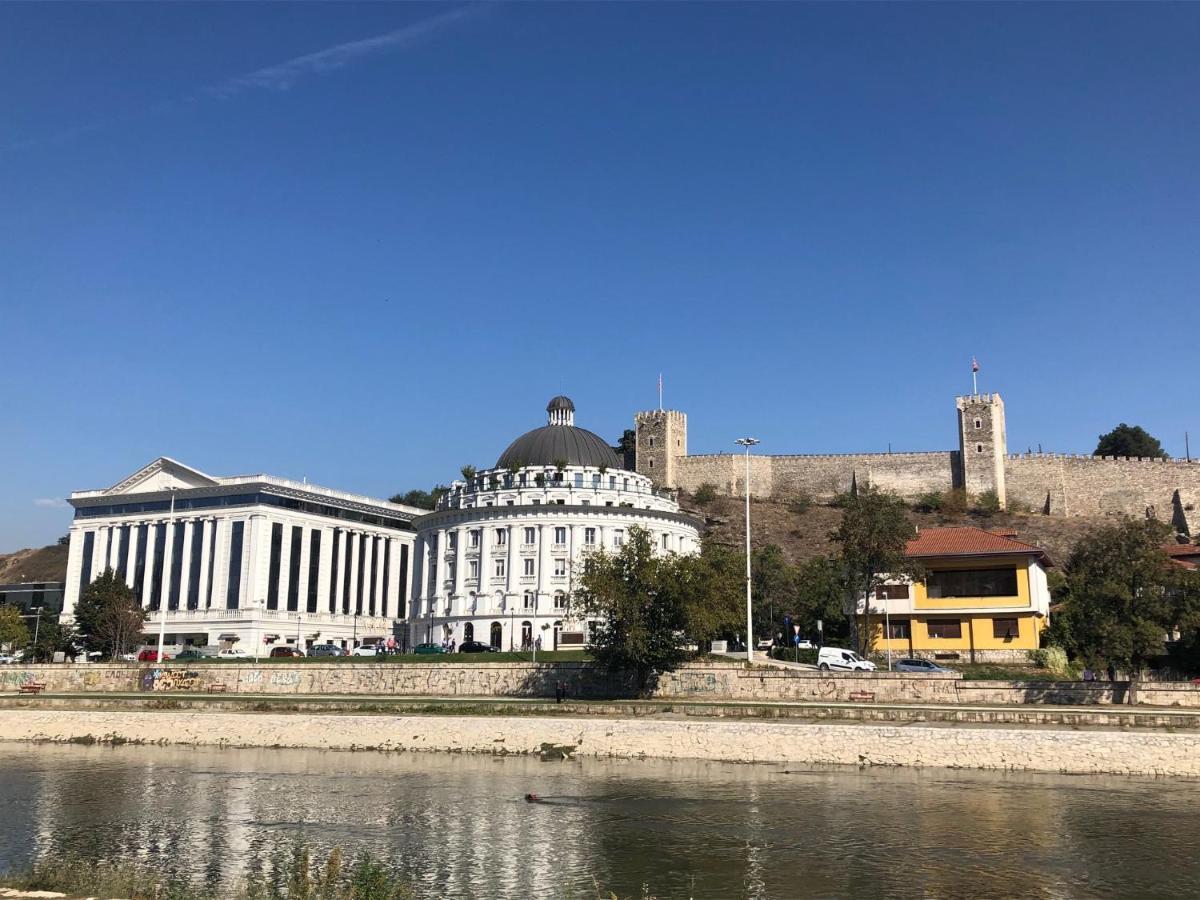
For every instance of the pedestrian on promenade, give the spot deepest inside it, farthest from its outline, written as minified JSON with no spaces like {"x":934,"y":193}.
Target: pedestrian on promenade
{"x":537,"y":644}
{"x":560,"y":691}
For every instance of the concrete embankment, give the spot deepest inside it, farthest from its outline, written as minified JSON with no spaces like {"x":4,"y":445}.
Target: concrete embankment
{"x":1018,"y":749}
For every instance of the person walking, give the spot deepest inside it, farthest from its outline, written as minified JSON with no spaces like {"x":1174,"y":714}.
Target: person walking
{"x":560,"y":691}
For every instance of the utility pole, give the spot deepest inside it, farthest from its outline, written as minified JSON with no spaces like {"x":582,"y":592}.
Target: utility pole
{"x":748,"y":442}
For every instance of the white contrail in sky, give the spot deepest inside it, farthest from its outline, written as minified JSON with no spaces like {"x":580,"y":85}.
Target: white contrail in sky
{"x":282,"y":76}
{"x":279,"y":77}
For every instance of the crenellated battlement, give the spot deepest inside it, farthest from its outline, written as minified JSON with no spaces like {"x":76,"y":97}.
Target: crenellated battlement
{"x":1118,"y":459}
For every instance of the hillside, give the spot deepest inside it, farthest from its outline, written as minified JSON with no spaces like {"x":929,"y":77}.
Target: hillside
{"x":804,"y":534}
{"x":45,"y":564}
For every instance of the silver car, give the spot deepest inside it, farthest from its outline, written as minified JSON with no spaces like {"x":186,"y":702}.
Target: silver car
{"x":918,"y":665}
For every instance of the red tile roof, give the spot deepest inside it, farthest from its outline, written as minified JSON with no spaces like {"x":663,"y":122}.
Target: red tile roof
{"x":1185,"y":550}
{"x":933,"y":542}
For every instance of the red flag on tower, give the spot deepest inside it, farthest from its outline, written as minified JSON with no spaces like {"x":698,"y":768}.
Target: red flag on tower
{"x":974,"y":364}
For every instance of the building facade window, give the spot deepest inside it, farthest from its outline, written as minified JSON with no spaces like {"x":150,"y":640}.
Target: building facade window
{"x":899,"y":629}
{"x":972,"y":583}
{"x":473,"y":569}
{"x":530,"y":536}
{"x":233,"y":590}
{"x":618,"y":538}
{"x":314,"y":570}
{"x":560,"y":600}
{"x":945,"y":628}
{"x":560,"y":567}
{"x":1005,"y":629}
{"x":500,"y":569}
{"x":560,"y":535}
{"x":293,"y":591}
{"x":473,"y":538}
{"x":589,"y":536}
{"x":501,"y":537}
{"x":529,"y":567}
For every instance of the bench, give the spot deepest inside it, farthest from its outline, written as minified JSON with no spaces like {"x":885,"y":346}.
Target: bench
{"x":861,"y":696}
{"x":31,"y":687}
{"x":218,"y":688}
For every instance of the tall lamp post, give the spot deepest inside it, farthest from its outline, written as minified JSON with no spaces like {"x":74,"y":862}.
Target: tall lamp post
{"x":168,"y":563}
{"x":887,"y":628}
{"x":748,"y":442}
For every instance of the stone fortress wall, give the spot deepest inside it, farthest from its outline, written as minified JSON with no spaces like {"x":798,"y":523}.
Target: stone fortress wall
{"x":1054,"y":484}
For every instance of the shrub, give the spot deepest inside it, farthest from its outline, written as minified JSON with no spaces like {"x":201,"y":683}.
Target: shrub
{"x":987,"y":503}
{"x":706,"y":493}
{"x":1052,"y":658}
{"x":928,"y":502}
{"x":800,"y":503}
{"x":788,"y":654}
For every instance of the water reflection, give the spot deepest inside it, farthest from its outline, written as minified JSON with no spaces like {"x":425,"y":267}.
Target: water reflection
{"x":459,"y":826}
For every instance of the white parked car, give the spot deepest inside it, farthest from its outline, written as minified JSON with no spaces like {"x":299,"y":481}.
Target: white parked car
{"x":363,"y":651}
{"x":233,"y":653}
{"x":837,"y":659}
{"x":6,"y":660}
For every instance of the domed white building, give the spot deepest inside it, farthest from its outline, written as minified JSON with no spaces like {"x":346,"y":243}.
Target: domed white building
{"x":497,"y":561}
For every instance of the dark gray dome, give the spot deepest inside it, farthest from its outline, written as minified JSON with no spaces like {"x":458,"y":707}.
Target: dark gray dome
{"x":552,"y":444}
{"x":560,"y":402}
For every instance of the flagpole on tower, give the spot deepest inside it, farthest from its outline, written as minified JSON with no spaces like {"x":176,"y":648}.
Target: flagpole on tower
{"x":974,"y":376}
{"x":660,"y":391}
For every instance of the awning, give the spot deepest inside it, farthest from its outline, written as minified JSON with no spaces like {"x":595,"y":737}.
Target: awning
{"x":228,"y":636}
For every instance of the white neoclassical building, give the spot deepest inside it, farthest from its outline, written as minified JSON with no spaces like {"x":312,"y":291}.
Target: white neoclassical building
{"x":250,"y":561}
{"x":497,"y":560}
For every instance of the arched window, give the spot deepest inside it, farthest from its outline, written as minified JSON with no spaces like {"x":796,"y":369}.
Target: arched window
{"x":560,"y":600}
{"x":526,"y":635}
{"x":529,"y":600}
{"x":468,"y":632}
{"x":497,"y":637}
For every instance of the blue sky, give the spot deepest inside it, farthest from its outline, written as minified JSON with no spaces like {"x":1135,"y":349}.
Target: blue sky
{"x":365,"y":244}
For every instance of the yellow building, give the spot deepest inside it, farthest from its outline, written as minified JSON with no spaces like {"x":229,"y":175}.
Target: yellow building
{"x":984,"y":598}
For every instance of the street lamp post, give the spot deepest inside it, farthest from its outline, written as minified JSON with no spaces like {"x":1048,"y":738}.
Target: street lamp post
{"x":887,"y":628}
{"x":168,"y":562}
{"x":258,"y":626}
{"x":297,"y":632}
{"x":748,"y":442}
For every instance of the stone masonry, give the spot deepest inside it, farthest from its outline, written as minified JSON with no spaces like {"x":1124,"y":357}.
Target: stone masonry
{"x":1054,"y":484}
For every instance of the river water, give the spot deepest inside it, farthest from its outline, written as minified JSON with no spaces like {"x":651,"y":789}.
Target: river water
{"x":459,"y":826}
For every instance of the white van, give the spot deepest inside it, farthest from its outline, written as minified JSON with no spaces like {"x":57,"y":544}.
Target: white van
{"x":842,"y":660}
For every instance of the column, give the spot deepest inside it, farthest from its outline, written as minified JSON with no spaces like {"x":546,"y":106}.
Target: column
{"x":100,"y":551}
{"x":131,"y":555}
{"x":368,"y":562}
{"x":168,"y":564}
{"x":421,"y":577}
{"x":74,"y":571}
{"x":343,"y":560}
{"x":510,"y":569}
{"x":302,"y":573}
{"x":185,"y":566}
{"x":255,"y":559}
{"x":392,"y":601}
{"x":323,"y":569}
{"x":545,"y":538}
{"x":206,"y":536}
{"x":460,"y":559}
{"x":440,"y":578}
{"x":353,"y":537}
{"x":220,"y":563}
{"x":285,"y":566}
{"x":148,"y":575}
{"x":485,"y":568}
{"x":380,"y":558}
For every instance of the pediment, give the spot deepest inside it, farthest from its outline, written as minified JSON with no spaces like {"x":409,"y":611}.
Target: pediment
{"x":161,"y":475}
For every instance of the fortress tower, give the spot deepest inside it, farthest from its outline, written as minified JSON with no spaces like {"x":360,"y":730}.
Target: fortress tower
{"x":661,"y":440}
{"x":982,"y":444}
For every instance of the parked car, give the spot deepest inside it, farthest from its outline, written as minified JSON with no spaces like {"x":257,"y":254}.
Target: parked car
{"x":6,"y":659}
{"x":151,"y":656}
{"x":129,"y":657}
{"x":189,"y":653}
{"x":429,"y":648}
{"x":325,"y":650}
{"x":232,"y":653}
{"x":764,"y":644}
{"x":472,"y":647}
{"x":363,"y":650}
{"x":918,"y":665}
{"x":277,"y":652}
{"x":804,"y":644}
{"x":843,"y":660}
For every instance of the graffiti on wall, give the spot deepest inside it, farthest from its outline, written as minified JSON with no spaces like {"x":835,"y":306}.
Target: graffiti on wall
{"x":170,"y":680}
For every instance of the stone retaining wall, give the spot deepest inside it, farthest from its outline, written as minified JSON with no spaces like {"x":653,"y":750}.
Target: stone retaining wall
{"x":1038,"y":750}
{"x":700,"y":681}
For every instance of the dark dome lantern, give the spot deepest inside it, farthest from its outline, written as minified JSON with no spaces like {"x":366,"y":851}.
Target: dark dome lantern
{"x":559,"y":441}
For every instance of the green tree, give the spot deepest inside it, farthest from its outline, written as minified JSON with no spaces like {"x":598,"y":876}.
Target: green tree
{"x":626,"y":448}
{"x":52,"y":637}
{"x":14,"y":633}
{"x":1124,"y":596}
{"x":637,"y":598}
{"x":108,"y":617}
{"x":820,"y":585}
{"x":712,"y":589}
{"x":773,"y":584}
{"x":421,"y":499}
{"x":872,"y":538}
{"x":1130,"y":440}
